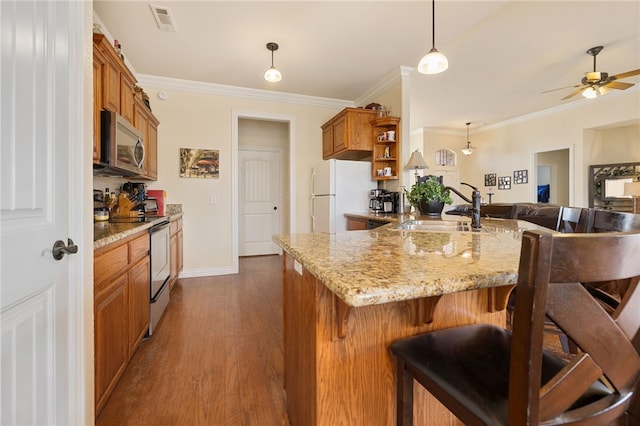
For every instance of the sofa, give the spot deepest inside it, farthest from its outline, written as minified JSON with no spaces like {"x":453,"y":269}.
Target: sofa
{"x":538,"y":213}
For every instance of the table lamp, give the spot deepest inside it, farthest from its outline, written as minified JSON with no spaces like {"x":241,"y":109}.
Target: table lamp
{"x":633,"y":189}
{"x":416,"y":162}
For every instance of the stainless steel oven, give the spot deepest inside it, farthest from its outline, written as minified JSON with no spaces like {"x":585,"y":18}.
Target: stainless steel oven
{"x":160,"y":265}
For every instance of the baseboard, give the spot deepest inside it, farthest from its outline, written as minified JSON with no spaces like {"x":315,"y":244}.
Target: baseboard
{"x":205,"y":272}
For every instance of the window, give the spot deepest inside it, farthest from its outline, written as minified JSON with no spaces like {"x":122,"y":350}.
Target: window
{"x":445,"y":157}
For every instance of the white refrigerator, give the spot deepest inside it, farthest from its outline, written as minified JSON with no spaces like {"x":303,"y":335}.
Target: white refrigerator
{"x":339,"y":187}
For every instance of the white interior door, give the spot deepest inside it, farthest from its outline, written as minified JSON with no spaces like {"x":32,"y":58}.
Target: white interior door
{"x":42,"y":79}
{"x":259,"y":206}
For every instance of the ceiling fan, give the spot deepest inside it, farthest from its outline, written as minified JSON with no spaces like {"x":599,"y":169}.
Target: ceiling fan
{"x":598,"y":83}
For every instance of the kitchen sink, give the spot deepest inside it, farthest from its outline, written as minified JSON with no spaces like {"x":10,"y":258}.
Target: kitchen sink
{"x":436,"y":225}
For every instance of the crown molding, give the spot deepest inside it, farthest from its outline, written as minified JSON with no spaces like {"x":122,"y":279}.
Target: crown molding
{"x":396,"y":76}
{"x":157,"y":82}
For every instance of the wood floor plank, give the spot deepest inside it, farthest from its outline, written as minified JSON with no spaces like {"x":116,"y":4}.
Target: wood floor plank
{"x":216,"y":357}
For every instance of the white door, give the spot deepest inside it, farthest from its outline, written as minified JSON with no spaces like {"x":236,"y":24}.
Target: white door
{"x":42,"y":77}
{"x":259,"y":206}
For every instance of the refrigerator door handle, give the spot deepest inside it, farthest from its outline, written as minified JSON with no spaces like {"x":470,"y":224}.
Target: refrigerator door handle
{"x":313,"y":213}
{"x":313,"y":182}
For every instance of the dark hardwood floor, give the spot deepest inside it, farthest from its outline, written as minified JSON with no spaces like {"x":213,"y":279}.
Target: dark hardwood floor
{"x":216,"y":357}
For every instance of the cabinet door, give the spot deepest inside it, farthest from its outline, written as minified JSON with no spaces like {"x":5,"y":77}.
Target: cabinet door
{"x":139,"y":277}
{"x":180,"y":254}
{"x":173,"y":259}
{"x":126,"y":98}
{"x":111,"y":338}
{"x":340,"y":142}
{"x":327,"y":141}
{"x":141,"y":122}
{"x":110,"y":87}
{"x":97,"y":104}
{"x":152,"y":150}
{"x":356,"y":224}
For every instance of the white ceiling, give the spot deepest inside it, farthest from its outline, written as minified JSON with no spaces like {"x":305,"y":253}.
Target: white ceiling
{"x":502,"y":54}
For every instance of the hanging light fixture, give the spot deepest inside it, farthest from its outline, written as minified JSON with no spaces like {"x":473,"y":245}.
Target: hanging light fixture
{"x":433,"y":62}
{"x":468,"y":150}
{"x":272,"y":74}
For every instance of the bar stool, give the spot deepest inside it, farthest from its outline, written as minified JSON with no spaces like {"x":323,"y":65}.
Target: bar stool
{"x":487,"y":375}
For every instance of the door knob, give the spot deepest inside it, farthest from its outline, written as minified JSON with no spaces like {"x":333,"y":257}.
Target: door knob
{"x":59,"y":249}
{"x":275,"y":208}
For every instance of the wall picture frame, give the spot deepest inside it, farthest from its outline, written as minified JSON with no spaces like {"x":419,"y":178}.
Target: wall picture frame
{"x":490,"y":179}
{"x":199,"y":163}
{"x":520,"y":177}
{"x":504,"y":182}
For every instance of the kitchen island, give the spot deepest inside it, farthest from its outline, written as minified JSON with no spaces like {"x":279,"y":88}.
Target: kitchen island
{"x":348,"y":296}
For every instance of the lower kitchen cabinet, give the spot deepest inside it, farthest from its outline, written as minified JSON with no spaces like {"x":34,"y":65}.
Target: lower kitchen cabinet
{"x":121,"y":309}
{"x":175,"y":250}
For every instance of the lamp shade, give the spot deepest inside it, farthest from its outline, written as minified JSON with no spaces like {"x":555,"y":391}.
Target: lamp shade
{"x":632,"y":189}
{"x":416,"y":162}
{"x":433,"y":62}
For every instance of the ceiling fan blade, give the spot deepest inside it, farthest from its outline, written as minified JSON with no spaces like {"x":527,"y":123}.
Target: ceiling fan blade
{"x":561,"y":88}
{"x":575,"y":92}
{"x":625,"y":75}
{"x":617,"y":85}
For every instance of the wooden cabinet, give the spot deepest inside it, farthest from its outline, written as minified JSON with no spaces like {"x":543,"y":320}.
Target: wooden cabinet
{"x":386,"y":148}
{"x":348,"y":135}
{"x":147,"y":123}
{"x":175,"y":251}
{"x":121,"y":309}
{"x":356,"y":224}
{"x":114,"y":89}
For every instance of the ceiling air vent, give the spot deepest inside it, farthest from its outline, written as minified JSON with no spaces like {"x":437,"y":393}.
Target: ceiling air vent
{"x":163,"y":16}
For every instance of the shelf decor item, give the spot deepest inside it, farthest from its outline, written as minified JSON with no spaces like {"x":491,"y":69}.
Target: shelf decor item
{"x":429,"y":196}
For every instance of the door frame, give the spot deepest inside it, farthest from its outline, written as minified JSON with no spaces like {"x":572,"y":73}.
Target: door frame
{"x":235,"y":118}
{"x":570,"y":165}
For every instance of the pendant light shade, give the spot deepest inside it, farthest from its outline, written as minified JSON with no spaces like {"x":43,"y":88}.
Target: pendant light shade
{"x":433,"y":62}
{"x":272,"y":74}
{"x":468,"y":150}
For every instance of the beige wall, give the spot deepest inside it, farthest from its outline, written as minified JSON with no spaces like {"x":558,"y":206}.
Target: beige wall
{"x":600,"y":132}
{"x":192,"y":119}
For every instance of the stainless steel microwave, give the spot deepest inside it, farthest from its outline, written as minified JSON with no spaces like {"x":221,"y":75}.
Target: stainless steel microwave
{"x":121,"y":146}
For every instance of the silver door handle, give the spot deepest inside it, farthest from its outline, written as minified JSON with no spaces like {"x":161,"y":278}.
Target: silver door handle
{"x":59,"y":249}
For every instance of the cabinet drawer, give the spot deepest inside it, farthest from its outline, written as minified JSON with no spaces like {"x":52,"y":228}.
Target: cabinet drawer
{"x":138,"y":248}
{"x":110,"y":263}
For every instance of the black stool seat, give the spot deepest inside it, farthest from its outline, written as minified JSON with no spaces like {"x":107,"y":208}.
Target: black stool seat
{"x":469,"y":366}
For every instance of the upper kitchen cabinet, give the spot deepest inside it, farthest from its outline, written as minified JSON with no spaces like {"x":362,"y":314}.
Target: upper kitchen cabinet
{"x":348,"y":135}
{"x":114,"y":89}
{"x":147,"y":123}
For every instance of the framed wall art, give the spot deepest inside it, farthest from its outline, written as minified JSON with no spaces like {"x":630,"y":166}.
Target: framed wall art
{"x":490,"y":179}
{"x":199,"y":163}
{"x":520,"y":176}
{"x":504,"y":182}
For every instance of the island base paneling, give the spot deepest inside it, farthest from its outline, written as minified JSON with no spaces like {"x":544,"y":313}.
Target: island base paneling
{"x":351,"y":380}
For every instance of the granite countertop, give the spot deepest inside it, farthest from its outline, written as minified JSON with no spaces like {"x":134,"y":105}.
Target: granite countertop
{"x":109,"y":232}
{"x":383,"y":265}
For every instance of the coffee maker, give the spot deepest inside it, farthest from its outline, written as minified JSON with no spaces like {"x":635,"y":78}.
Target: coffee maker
{"x":376,"y":200}
{"x":383,"y":201}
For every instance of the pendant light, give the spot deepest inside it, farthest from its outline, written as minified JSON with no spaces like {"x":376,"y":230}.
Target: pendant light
{"x":468,"y":150}
{"x":272,"y":74}
{"x":433,"y":62}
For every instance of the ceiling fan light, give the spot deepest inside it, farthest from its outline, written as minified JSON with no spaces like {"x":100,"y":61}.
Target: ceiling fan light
{"x":590,"y":93}
{"x":433,"y":62}
{"x":272,"y":75}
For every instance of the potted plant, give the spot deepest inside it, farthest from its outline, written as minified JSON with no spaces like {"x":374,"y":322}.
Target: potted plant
{"x":429,"y":197}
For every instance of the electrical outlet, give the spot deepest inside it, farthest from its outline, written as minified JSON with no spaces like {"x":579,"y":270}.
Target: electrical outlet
{"x":212,"y":199}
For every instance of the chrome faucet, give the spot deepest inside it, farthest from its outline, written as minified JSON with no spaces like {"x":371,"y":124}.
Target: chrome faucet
{"x":475,"y":204}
